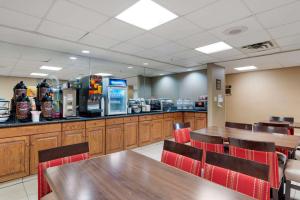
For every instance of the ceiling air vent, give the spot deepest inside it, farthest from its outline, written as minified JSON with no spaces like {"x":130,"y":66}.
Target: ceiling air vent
{"x":261,"y":46}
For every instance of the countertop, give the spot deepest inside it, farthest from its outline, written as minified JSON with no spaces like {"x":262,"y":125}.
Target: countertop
{"x":11,"y":123}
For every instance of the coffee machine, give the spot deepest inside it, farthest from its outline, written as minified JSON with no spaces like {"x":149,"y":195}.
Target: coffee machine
{"x":69,"y":101}
{"x":91,"y":99}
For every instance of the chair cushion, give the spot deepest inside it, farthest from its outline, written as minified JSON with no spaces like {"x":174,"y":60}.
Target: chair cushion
{"x":43,"y":187}
{"x":182,"y":162}
{"x":218,"y":148}
{"x":267,"y":158}
{"x":292,"y":170}
{"x":251,"y":186}
{"x":182,"y":135}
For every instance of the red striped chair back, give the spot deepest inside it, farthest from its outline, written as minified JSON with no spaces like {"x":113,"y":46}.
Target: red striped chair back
{"x":238,"y":174}
{"x":184,"y":157}
{"x":207,"y":143}
{"x":181,"y":132}
{"x":261,"y":152}
{"x":56,"y":157}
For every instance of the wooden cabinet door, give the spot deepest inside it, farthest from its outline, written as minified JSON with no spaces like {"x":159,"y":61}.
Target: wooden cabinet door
{"x":42,"y":142}
{"x":200,"y":123}
{"x":191,"y":120}
{"x":168,"y":128}
{"x":157,"y":130}
{"x":73,"y":137}
{"x":96,"y":139}
{"x":131,"y":135}
{"x":114,"y":138}
{"x":14,"y":158}
{"x":145,"y":133}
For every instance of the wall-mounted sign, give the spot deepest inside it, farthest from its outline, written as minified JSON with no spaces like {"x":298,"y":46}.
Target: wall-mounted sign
{"x":218,"y":84}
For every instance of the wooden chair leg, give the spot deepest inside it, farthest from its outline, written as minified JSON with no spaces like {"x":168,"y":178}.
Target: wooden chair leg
{"x":288,"y":190}
{"x":275,"y":194}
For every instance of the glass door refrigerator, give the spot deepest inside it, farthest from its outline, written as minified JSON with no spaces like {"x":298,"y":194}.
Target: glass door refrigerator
{"x":116,"y":95}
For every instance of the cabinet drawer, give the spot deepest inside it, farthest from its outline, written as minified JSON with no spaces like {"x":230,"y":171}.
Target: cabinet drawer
{"x":95,"y":123}
{"x":131,"y":119}
{"x":73,"y":126}
{"x":200,"y":115}
{"x":189,"y":114}
{"x":178,"y":114}
{"x":169,"y":115}
{"x":114,"y":121}
{"x":157,"y":116}
{"x":145,"y":118}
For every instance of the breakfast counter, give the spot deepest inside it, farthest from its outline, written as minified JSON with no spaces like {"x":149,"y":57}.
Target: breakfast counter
{"x":20,"y":142}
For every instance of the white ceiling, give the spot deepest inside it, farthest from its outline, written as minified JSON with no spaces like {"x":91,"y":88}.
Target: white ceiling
{"x":35,"y":31}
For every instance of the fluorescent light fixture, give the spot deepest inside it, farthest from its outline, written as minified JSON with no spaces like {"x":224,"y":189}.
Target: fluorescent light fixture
{"x":51,"y":68}
{"x":85,"y":51}
{"x":73,"y":58}
{"x":213,"y":48}
{"x":130,"y":67}
{"x":161,"y":74}
{"x":245,"y":68}
{"x":38,"y":74}
{"x":146,"y":14}
{"x":189,"y":70}
{"x":103,"y":74}
{"x":145,"y":63}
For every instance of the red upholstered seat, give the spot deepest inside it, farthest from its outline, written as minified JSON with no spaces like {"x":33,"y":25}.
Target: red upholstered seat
{"x":267,"y":158}
{"x":182,"y":162}
{"x":43,"y":187}
{"x":254,"y":187}
{"x":218,"y":148}
{"x":182,"y":135}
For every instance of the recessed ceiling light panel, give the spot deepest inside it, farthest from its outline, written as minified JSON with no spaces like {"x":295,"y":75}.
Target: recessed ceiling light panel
{"x":145,"y":63}
{"x":146,"y":14}
{"x":245,"y":68}
{"x":85,"y":51}
{"x":51,"y":68}
{"x":130,"y":67}
{"x":38,"y":74}
{"x":103,"y":74}
{"x":73,"y":58}
{"x":213,"y":48}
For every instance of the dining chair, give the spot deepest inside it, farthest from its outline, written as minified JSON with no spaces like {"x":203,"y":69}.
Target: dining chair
{"x":181,"y":132}
{"x":56,"y":157}
{"x":181,"y":156}
{"x":244,"y":176}
{"x":282,"y":119}
{"x":292,"y":174}
{"x":239,"y":125}
{"x":264,"y":153}
{"x":207,"y":143}
{"x":271,"y":128}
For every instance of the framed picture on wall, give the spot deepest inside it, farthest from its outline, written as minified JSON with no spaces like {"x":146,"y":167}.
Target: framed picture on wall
{"x":218,"y":84}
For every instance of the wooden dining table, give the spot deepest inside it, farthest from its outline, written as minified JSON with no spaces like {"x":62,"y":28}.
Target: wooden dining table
{"x":292,"y":125}
{"x":281,"y":140}
{"x":128,"y":175}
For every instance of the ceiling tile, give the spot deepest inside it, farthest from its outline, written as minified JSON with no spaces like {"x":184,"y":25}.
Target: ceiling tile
{"x":280,"y":16}
{"x":35,"y":8}
{"x":61,"y":31}
{"x":176,"y":29}
{"x":286,"y":41}
{"x":186,"y":54}
{"x":198,"y":40}
{"x":98,"y":41}
{"x":181,"y":7}
{"x":169,"y":48}
{"x":118,"y":30}
{"x":127,"y":48}
{"x":147,"y":40}
{"x":148,"y":53}
{"x":257,"y":6}
{"x":107,"y":7}
{"x":9,"y":51}
{"x":219,"y":13}
{"x":289,"y":59}
{"x":228,"y":54}
{"x":75,"y":16}
{"x":7,"y":62}
{"x":18,"y":20}
{"x":285,"y":30}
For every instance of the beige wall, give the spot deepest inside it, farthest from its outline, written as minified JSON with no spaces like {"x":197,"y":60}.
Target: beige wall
{"x":7,"y":84}
{"x":258,"y":95}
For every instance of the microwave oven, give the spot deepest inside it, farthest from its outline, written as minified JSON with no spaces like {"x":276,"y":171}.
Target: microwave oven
{"x":201,"y":105}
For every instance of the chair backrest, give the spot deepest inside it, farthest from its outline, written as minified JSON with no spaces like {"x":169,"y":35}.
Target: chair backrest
{"x":245,"y":176}
{"x":282,"y":119}
{"x":239,"y":126}
{"x":183,"y":157}
{"x":261,"y":152}
{"x":260,"y":127}
{"x":56,"y":157}
{"x":181,"y":125}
